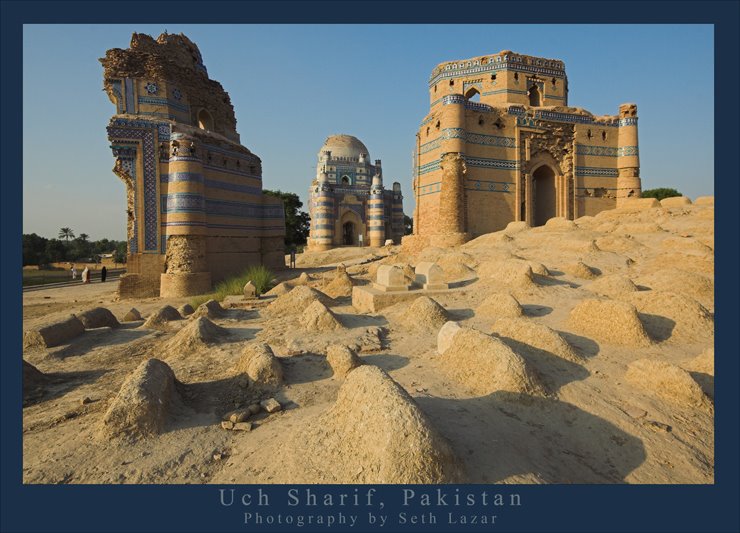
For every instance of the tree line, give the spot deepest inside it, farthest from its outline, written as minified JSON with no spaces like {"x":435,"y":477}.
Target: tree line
{"x":67,"y":247}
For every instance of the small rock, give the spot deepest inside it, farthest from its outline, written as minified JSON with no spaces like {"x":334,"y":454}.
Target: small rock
{"x":243,"y":426}
{"x":254,"y":408}
{"x":227,"y":424}
{"x":218,"y":456}
{"x":271,"y":405}
{"x":250,"y":291}
{"x":659,"y":426}
{"x":239,"y":416}
{"x":86,"y":400}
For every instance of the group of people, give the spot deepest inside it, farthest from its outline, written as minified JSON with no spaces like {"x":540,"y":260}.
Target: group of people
{"x":86,"y":275}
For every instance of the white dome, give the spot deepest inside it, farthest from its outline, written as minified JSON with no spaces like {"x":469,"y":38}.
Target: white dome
{"x":344,"y":146}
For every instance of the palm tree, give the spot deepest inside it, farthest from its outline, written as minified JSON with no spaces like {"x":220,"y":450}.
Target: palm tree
{"x":66,"y":234}
{"x":83,"y":237}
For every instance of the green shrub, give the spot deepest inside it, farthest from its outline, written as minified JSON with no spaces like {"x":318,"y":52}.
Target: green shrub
{"x":201,"y":299}
{"x":660,"y":193}
{"x":261,"y":277}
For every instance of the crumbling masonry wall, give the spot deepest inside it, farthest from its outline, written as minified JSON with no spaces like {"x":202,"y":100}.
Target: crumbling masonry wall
{"x":196,"y":212}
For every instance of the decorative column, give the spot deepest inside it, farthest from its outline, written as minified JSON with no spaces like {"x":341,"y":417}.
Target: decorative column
{"x":629,"y":184}
{"x":397,"y":226}
{"x":376,"y":213}
{"x":322,"y":221}
{"x":184,"y":218}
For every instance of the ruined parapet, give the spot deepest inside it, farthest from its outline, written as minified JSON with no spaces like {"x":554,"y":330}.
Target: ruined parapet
{"x":629,"y":184}
{"x":189,"y":182}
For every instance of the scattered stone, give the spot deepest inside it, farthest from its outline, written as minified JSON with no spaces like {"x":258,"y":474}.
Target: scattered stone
{"x":388,"y":242}
{"x":218,"y":456}
{"x":132,"y":316}
{"x":186,"y":310}
{"x":342,"y":359}
{"x":374,"y":433}
{"x":445,"y":336}
{"x":499,"y":305}
{"x":260,"y":364}
{"x":98,"y":317}
{"x":668,"y":381}
{"x":658,"y":426}
{"x":54,"y":334}
{"x":254,"y":408}
{"x":537,"y":336}
{"x":609,"y":321}
{"x":318,"y":318}
{"x":143,"y":404}
{"x":371,"y":340}
{"x":227,"y":424}
{"x":243,"y":426}
{"x":485,"y":365}
{"x":271,"y":405}
{"x":86,"y":400}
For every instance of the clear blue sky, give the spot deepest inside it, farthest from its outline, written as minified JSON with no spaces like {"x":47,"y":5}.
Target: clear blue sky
{"x":292,"y":86}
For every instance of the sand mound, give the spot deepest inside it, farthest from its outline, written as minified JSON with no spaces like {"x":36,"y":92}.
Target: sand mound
{"x":186,"y":310}
{"x":613,"y":285}
{"x":199,"y":333}
{"x":580,"y":270}
{"x":425,"y":313}
{"x":703,"y":363}
{"x":704,"y":200}
{"x":688,"y":319}
{"x":144,"y":402}
{"x":303,"y":279}
{"x":675,"y":201}
{"x":637,"y":228}
{"x":53,"y":334}
{"x":132,"y":316}
{"x":317,"y":317}
{"x":374,"y":433}
{"x":260,"y":364}
{"x":280,"y":289}
{"x":609,"y":321}
{"x":98,"y":317}
{"x":537,"y":336}
{"x":560,"y":224}
{"x":485,"y":365}
{"x":618,"y":244}
{"x":342,"y":359}
{"x":538,"y":268}
{"x":162,"y":315}
{"x":296,"y":301}
{"x":686,"y":245}
{"x":698,"y":286}
{"x":499,"y":305}
{"x":340,"y":286}
{"x":667,"y":381}
{"x":210,"y":309}
{"x":34,"y":381}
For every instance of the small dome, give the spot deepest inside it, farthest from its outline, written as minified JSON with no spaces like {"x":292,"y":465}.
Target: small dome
{"x":344,"y":146}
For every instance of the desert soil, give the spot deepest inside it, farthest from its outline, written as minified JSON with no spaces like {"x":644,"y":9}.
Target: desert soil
{"x":614,"y":289}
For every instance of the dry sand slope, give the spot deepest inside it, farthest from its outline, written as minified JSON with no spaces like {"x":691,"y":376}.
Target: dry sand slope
{"x":583,"y":353}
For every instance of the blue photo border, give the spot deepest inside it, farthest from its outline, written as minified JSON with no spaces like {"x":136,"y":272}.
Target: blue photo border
{"x":544,"y":508}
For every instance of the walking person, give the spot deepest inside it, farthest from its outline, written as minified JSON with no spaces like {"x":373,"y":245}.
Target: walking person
{"x":103,"y":273}
{"x":86,"y":275}
{"x":292,"y":257}
{"x":74,"y":273}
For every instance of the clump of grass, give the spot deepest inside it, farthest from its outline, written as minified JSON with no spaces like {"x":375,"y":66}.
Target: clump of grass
{"x":260,"y":276}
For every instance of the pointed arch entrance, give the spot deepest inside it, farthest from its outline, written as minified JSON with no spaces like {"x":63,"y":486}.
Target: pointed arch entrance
{"x":544,"y":195}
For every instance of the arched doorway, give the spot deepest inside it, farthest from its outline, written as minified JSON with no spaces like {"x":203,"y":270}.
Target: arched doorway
{"x":543,"y":195}
{"x":535,"y":99}
{"x":348,"y":233}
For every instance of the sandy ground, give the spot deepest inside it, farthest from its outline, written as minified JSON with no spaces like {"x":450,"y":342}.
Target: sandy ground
{"x":592,"y":426}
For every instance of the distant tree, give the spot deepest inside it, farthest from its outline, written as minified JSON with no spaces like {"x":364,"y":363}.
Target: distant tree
{"x":296,"y":221}
{"x":119,"y":256}
{"x":66,"y":234}
{"x":83,"y":237}
{"x":408,"y":225}
{"x":54,"y":252}
{"x":661,"y":193}
{"x":33,"y":249}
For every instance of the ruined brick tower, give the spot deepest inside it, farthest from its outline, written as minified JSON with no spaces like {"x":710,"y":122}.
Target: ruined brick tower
{"x":501,"y":144}
{"x":196,"y":212}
